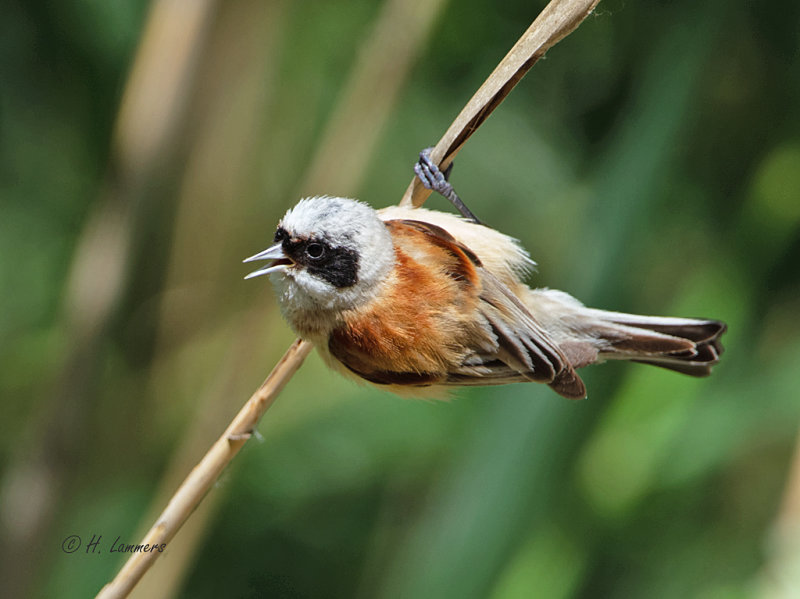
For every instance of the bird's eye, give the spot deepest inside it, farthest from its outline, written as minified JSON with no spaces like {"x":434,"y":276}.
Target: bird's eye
{"x":315,"y":251}
{"x":280,"y":235}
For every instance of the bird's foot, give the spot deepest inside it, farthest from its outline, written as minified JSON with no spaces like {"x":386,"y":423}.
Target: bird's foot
{"x":436,"y":180}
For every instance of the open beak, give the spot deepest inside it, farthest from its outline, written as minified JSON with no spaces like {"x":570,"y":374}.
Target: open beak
{"x":275,"y":253}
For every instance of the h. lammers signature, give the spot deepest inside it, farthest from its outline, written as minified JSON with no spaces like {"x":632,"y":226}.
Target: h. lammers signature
{"x":73,"y":542}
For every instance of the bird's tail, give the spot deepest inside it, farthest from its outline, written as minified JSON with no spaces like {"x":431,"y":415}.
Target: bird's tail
{"x":686,"y":345}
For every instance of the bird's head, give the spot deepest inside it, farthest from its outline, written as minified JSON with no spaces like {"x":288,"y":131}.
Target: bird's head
{"x":328,"y":254}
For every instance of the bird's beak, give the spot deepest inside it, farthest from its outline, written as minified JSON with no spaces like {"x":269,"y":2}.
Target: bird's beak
{"x":276,"y":253}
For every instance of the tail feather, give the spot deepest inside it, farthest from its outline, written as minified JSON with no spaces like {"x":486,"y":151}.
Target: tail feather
{"x":626,"y":339}
{"x":690,"y":368}
{"x":685,"y":345}
{"x":587,"y":335}
{"x":689,"y":328}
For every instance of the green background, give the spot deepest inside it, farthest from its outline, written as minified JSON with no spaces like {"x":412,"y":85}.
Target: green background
{"x":650,"y":163}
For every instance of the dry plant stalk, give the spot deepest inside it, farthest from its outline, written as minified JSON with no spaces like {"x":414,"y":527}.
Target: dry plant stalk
{"x":205,"y":474}
{"x":556,"y":21}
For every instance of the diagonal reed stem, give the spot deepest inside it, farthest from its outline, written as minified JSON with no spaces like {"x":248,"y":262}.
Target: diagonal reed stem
{"x":205,"y":474}
{"x":554,"y":23}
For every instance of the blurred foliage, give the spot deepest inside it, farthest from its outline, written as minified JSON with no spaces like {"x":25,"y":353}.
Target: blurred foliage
{"x":651,"y":163}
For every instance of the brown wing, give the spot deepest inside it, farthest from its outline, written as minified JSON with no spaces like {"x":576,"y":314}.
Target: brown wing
{"x":523,"y":345}
{"x":405,"y":346}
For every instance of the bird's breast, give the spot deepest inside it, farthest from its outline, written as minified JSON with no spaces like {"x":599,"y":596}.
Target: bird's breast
{"x":420,"y":321}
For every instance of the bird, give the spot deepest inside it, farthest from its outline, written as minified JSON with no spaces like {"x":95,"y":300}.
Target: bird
{"x":420,"y":302}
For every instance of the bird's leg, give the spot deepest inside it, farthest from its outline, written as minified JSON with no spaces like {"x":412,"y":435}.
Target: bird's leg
{"x":437,"y":181}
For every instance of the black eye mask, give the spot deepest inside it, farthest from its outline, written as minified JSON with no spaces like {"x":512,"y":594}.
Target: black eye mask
{"x":336,"y":265}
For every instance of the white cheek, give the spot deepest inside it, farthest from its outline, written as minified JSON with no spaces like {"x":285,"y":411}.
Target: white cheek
{"x":320,"y":293}
{"x":303,"y":296}
{"x":298,"y":290}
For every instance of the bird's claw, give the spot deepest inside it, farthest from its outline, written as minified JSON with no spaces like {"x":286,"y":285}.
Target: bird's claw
{"x":430,"y":175}
{"x":437,"y":180}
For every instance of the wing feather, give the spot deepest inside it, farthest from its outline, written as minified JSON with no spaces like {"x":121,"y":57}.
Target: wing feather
{"x":525,"y":352}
